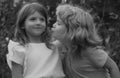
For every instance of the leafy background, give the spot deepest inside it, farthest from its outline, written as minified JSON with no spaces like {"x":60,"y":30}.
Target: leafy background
{"x":105,"y":12}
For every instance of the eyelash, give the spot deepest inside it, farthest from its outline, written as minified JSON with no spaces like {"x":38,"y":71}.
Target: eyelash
{"x":32,"y":19}
{"x":58,"y":23}
{"x":41,"y":19}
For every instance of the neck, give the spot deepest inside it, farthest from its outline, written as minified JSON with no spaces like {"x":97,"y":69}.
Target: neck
{"x":35,"y":39}
{"x":67,"y":44}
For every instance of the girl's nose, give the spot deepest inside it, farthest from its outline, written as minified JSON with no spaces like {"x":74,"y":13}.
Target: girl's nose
{"x":38,"y":21}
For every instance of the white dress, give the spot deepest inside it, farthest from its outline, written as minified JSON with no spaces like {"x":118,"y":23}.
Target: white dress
{"x":38,"y":60}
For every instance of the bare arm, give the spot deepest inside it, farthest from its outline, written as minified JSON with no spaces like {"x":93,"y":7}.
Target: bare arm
{"x":17,"y":70}
{"x":113,"y":68}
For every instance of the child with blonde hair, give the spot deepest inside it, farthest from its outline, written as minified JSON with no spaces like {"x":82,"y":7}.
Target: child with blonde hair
{"x":84,"y":58}
{"x":31,"y":54}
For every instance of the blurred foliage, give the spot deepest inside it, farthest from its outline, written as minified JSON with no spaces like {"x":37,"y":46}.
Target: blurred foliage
{"x":105,"y":12}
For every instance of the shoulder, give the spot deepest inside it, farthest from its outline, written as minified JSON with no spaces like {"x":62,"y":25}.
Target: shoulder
{"x":15,"y":46}
{"x":16,"y":53}
{"x":98,"y":56}
{"x":96,"y":51}
{"x":12,"y":43}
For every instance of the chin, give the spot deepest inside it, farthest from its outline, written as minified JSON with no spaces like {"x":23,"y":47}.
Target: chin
{"x":56,"y":36}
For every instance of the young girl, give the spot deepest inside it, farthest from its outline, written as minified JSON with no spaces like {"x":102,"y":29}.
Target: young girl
{"x":31,"y":55}
{"x":85,"y":58}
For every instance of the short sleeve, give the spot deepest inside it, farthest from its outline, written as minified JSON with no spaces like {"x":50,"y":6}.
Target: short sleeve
{"x":16,"y":53}
{"x":98,"y":57}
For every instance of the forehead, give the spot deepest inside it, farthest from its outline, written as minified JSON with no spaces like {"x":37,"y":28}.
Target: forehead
{"x":32,"y":9}
{"x":36,"y":14}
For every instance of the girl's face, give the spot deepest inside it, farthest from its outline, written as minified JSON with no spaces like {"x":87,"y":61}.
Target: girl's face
{"x":59,"y":29}
{"x":35,"y":24}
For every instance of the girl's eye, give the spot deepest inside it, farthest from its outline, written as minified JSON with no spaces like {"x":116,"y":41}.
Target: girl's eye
{"x":32,"y":19}
{"x":42,"y":19}
{"x":58,"y":23}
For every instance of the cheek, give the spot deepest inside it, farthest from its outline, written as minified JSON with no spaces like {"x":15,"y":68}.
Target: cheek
{"x":27,"y":23}
{"x":59,"y":33}
{"x":44,"y":24}
{"x":62,"y":32}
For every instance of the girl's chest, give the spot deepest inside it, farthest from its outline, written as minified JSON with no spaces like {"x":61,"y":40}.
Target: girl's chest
{"x":38,"y":53}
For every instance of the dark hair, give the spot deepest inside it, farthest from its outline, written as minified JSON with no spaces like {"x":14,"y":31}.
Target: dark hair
{"x":25,"y":11}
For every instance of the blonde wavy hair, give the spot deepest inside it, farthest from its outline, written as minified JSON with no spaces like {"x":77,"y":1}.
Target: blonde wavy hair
{"x":81,"y":32}
{"x":80,"y":25}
